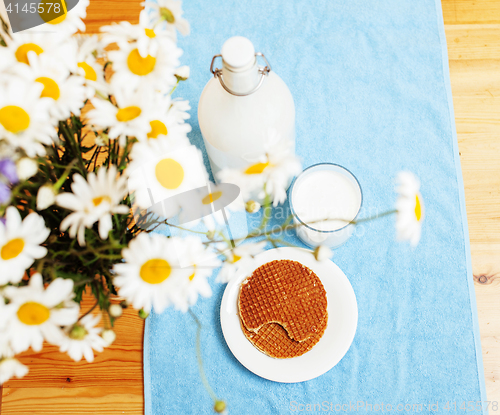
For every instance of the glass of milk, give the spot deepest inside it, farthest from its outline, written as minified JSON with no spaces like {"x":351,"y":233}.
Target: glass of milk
{"x":325,"y":199}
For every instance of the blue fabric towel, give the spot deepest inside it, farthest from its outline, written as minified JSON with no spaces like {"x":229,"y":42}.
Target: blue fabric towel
{"x":372,"y":92}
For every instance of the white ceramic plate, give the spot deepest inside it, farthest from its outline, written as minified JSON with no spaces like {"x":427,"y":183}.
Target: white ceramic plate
{"x":342,"y":321}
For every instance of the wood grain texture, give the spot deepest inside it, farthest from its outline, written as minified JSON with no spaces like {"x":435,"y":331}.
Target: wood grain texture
{"x":473,"y":37}
{"x":113,"y":384}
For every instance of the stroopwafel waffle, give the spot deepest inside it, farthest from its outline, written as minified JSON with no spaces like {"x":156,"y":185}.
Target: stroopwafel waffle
{"x":284,"y":292}
{"x":272,"y":339}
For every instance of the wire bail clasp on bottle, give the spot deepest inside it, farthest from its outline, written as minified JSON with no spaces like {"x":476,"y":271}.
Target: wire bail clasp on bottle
{"x":263,"y":73}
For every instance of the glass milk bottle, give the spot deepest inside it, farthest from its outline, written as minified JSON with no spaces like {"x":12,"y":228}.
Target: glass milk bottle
{"x":245,"y":109}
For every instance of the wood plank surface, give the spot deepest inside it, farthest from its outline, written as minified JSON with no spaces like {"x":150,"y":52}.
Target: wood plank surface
{"x":113,"y":384}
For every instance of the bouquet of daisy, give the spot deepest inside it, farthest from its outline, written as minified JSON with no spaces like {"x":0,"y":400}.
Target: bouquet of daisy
{"x":94,"y":156}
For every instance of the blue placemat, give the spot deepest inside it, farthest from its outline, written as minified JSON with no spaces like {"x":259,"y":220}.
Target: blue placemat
{"x":372,"y":92}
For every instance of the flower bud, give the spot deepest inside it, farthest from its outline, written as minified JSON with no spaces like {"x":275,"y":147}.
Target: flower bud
{"x":252,"y":206}
{"x":102,"y":140}
{"x":211,"y":235}
{"x":143,"y":314}
{"x":220,"y":406}
{"x":26,"y":168}
{"x":109,"y":336}
{"x":115,"y":310}
{"x":182,"y":73}
{"x":322,"y":253}
{"x":45,"y":197}
{"x":77,"y":332}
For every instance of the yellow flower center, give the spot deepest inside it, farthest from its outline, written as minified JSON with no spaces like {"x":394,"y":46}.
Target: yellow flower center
{"x":128,"y":113}
{"x":236,"y":258}
{"x":50,"y":88}
{"x":211,"y":197}
{"x":169,"y":173}
{"x":150,"y":33}
{"x":191,"y":277}
{"x":257,"y":168}
{"x":33,"y":314}
{"x":139,"y":65}
{"x":167,"y":15}
{"x":157,"y":128}
{"x":14,"y":119}
{"x":12,"y":249}
{"x":90,"y":73}
{"x":155,"y":271}
{"x":418,"y":209}
{"x":98,"y":200}
{"x":22,"y":52}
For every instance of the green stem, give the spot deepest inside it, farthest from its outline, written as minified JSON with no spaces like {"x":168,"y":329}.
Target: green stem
{"x":266,"y":212}
{"x":100,"y":94}
{"x":174,"y":88}
{"x":64,"y":176}
{"x":74,"y":145}
{"x":282,"y":228}
{"x":377,"y":216}
{"x":200,"y":359}
{"x":90,"y":310}
{"x":182,"y":228}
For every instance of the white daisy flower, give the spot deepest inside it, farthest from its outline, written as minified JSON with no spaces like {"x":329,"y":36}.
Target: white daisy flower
{"x":150,"y":275}
{"x":156,"y":177}
{"x":35,"y":314}
{"x":20,"y":244}
{"x":156,"y":71}
{"x":11,"y":367}
{"x":167,"y":15}
{"x":147,"y":37}
{"x":24,"y":117}
{"x":271,"y":174}
{"x":239,"y":259}
{"x":410,"y":208}
{"x":201,"y":262}
{"x":168,"y":117}
{"x":88,"y":49}
{"x":92,"y":200}
{"x":24,"y":45}
{"x":146,"y":151}
{"x":66,"y":93}
{"x":82,"y":338}
{"x":129,"y":118}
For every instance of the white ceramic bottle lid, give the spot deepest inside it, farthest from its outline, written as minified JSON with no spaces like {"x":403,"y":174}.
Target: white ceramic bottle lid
{"x":238,"y":52}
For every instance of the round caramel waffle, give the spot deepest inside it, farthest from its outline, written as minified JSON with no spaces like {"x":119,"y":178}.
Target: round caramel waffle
{"x":284,"y":292}
{"x":272,"y":339}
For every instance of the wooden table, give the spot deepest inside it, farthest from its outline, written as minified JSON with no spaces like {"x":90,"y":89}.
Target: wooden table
{"x":113,"y":384}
